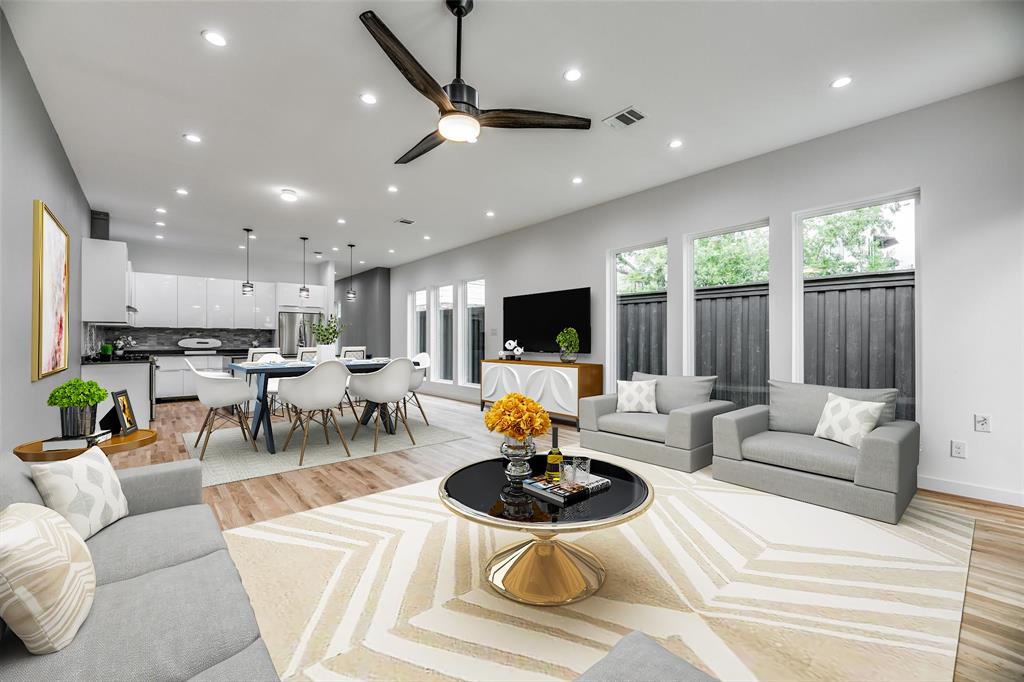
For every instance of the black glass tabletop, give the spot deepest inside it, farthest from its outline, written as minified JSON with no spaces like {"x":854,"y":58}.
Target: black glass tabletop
{"x":483,"y":491}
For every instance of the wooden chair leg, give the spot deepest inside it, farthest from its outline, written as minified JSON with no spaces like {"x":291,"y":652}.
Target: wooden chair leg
{"x":424,"y":414}
{"x":305,"y":437}
{"x":406,"y":422}
{"x":202,"y":428}
{"x":350,"y":406}
{"x":358,"y":424}
{"x":323,"y":415}
{"x":295,"y":424}
{"x":376,"y":426}
{"x":209,"y":431}
{"x":244,"y":422}
{"x":341,"y":435}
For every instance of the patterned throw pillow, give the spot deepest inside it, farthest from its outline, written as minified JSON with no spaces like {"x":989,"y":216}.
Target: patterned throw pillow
{"x":637,"y":396}
{"x":47,"y":580}
{"x":847,"y":421}
{"x":84,"y":490}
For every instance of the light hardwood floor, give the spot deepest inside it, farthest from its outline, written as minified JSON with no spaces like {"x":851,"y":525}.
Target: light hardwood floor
{"x":991,"y":644}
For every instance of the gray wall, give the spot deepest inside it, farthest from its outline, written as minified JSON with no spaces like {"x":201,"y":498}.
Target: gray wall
{"x":33,"y":165}
{"x":369,"y":316}
{"x":966,"y":155}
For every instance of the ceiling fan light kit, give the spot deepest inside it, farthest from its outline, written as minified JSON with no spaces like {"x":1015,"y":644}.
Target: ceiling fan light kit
{"x":461,"y":117}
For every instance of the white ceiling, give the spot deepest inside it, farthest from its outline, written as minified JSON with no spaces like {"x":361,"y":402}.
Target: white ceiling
{"x":279,"y":106}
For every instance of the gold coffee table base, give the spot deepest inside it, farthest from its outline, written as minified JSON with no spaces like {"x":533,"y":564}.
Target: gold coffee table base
{"x":543,"y":571}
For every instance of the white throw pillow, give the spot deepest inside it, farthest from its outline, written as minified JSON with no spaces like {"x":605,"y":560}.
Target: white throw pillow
{"x":47,"y":579}
{"x":847,"y":421}
{"x":84,"y":490}
{"x":637,"y":396}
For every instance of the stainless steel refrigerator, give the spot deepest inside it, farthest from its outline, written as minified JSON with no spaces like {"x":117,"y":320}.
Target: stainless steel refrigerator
{"x":295,"y":331}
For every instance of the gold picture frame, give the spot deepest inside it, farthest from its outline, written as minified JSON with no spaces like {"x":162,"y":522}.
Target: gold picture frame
{"x":51,"y":255}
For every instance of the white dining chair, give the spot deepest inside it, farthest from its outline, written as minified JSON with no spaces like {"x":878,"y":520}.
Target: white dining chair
{"x":255,"y":354}
{"x":387,"y":385}
{"x":353,"y":352}
{"x":219,"y":392}
{"x":419,"y":374}
{"x":313,"y":397}
{"x":307,"y":354}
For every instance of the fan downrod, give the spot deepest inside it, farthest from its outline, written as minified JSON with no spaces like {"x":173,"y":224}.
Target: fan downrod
{"x":459,"y":8}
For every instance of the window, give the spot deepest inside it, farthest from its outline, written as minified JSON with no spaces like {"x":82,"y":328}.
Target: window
{"x":641,"y":283}
{"x":445,"y":362}
{"x":730,"y":291}
{"x":858,"y":268}
{"x":419,"y":314}
{"x":474,"y":329}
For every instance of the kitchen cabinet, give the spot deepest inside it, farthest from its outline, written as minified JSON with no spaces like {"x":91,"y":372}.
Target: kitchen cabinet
{"x":191,"y":301}
{"x":288,"y":296}
{"x":156,"y":297}
{"x":104,"y":282}
{"x":174,"y":378}
{"x":265,"y":305}
{"x":317,"y":294}
{"x":220,"y":302}
{"x":245,"y":309}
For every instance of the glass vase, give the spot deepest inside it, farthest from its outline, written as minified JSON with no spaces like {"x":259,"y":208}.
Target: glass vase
{"x":518,"y":454}
{"x":566,"y":356}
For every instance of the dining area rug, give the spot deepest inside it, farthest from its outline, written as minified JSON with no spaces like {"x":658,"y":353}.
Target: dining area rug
{"x":230,"y":458}
{"x":742,"y":584}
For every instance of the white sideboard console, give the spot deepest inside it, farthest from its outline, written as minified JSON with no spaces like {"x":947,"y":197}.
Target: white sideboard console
{"x":557,"y":386}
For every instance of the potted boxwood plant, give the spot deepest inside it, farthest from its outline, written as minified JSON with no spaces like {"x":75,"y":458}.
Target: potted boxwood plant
{"x":326,"y":336}
{"x":569,"y":341}
{"x":77,"y":401}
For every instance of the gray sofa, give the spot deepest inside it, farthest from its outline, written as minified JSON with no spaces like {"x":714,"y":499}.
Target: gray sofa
{"x":678,"y":437}
{"x":772,"y":448}
{"x":169,"y":603}
{"x":638,"y":658}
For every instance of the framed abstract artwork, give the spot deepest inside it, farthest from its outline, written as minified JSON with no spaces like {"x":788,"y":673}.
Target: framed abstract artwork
{"x":51,"y":251}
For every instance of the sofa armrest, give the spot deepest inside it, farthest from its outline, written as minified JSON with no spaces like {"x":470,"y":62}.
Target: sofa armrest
{"x":162,"y":486}
{"x":888,"y":457}
{"x":596,"y":406}
{"x":690,"y":427}
{"x":732,"y":428}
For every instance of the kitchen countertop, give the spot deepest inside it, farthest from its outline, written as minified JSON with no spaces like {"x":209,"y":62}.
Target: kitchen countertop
{"x":145,"y":355}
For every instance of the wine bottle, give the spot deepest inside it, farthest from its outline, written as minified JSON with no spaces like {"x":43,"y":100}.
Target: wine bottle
{"x":553,"y":471}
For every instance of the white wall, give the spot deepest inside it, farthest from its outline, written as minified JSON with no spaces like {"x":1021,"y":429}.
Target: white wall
{"x":965,"y":154}
{"x":264,"y":267}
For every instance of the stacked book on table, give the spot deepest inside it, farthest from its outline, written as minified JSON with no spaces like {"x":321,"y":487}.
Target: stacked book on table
{"x":565,"y":493}
{"x":76,"y":442}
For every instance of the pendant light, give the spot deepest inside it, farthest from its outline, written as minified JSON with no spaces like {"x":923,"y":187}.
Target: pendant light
{"x":304,"y":290}
{"x":351,"y":293}
{"x":247,"y":285}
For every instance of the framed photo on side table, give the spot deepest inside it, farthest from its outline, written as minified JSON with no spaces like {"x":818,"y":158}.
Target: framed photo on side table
{"x":123,"y":413}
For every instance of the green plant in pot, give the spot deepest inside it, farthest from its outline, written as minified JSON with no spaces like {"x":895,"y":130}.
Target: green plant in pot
{"x":326,"y":335}
{"x":77,"y":401}
{"x":569,"y":341}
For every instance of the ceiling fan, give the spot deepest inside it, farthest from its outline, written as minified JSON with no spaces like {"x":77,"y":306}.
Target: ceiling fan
{"x":457,"y":103}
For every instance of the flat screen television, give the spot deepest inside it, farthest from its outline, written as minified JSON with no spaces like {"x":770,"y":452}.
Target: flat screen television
{"x":534,"y":320}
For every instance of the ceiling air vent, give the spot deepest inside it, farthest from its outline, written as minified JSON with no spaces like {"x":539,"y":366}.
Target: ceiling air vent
{"x":405,"y":221}
{"x":624,"y":118}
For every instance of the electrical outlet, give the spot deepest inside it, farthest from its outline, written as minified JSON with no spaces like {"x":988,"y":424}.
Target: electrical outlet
{"x":983,"y":423}
{"x":958,"y":449}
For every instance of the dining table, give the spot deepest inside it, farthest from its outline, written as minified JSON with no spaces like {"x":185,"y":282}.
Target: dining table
{"x":264,"y":371}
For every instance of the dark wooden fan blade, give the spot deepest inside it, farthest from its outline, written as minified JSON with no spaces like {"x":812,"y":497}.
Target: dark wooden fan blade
{"x":432,"y":140}
{"x":524,"y":118}
{"x":406,"y":63}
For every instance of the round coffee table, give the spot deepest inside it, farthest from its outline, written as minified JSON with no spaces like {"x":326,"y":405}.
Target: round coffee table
{"x":543,"y":570}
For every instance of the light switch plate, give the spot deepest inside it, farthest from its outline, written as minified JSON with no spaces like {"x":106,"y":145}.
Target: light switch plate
{"x":982,"y":423}
{"x":958,"y":449}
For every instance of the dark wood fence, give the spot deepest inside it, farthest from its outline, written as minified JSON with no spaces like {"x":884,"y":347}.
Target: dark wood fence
{"x":731,"y":337}
{"x":859,"y":333}
{"x":641,"y":323}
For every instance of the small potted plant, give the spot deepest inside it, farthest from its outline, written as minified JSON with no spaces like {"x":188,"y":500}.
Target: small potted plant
{"x":77,"y":401}
{"x":569,"y":341}
{"x":326,"y":336}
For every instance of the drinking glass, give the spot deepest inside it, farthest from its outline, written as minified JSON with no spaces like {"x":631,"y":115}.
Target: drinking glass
{"x":580,"y":469}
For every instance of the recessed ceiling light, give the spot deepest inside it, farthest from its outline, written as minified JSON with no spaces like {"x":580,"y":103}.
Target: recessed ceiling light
{"x":392,"y":189}
{"x":159,"y":236}
{"x":161,"y":210}
{"x":472,"y":141}
{"x":362,"y":262}
{"x":160,"y":223}
{"x":368,"y":98}
{"x":427,"y":237}
{"x":841,"y":82}
{"x":182,"y":191}
{"x":252,"y":236}
{"x":341,"y":221}
{"x":489,"y":214}
{"x":572,"y":75}
{"x":334,"y":248}
{"x":192,"y":137}
{"x":289,"y":195}
{"x":241,"y":246}
{"x":391,"y":250}
{"x":214,"y":38}
{"x":675,"y":144}
{"x":577,"y":180}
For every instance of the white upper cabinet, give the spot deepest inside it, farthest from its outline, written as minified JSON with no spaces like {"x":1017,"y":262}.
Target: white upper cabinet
{"x":264,"y":305}
{"x":104,"y":281}
{"x":287,"y":295}
{"x":245,"y":308}
{"x":191,"y":301}
{"x":220,"y":302}
{"x":156,"y":297}
{"x":316,"y":297}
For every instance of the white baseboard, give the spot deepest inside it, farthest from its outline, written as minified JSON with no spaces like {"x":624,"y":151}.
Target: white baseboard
{"x":979,"y":492}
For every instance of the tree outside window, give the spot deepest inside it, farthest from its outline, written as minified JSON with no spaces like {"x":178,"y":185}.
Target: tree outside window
{"x":642,"y":271}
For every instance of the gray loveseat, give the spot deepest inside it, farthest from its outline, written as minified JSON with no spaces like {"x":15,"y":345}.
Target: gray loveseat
{"x":678,"y":436}
{"x":169,"y":603}
{"x":772,"y":448}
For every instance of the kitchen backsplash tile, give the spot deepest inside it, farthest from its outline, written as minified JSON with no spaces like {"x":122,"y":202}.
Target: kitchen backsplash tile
{"x":157,"y":338}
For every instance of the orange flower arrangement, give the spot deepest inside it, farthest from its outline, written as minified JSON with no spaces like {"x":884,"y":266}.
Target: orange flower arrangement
{"x":517,"y":417}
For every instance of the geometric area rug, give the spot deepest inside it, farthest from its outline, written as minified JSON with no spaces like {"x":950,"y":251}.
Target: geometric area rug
{"x":742,"y":584}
